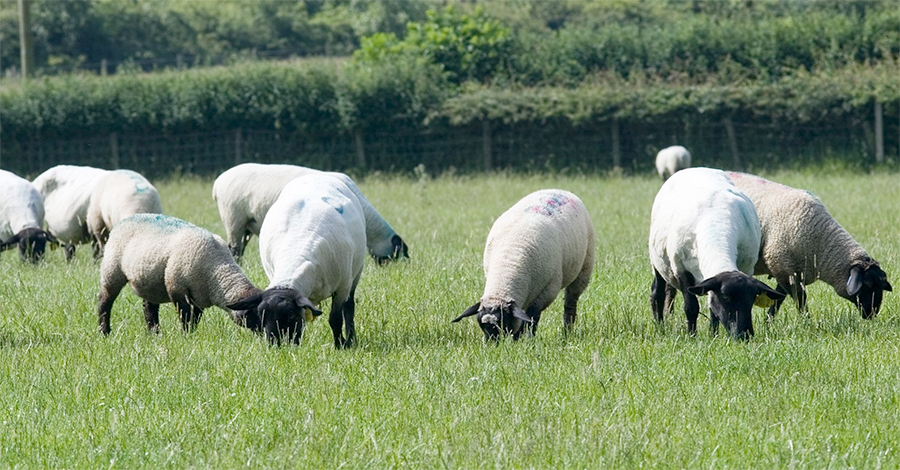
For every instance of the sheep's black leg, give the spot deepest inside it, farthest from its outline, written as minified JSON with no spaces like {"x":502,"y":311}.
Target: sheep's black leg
{"x":534,"y":313}
{"x":151,"y":316}
{"x":800,"y":297}
{"x":70,"y":251}
{"x":349,"y":312}
{"x":776,"y":304}
{"x":570,"y":313}
{"x":104,"y":306}
{"x":336,"y":320}
{"x":658,"y":292}
{"x":190,"y":315}
{"x":713,"y":325}
{"x":691,"y":305}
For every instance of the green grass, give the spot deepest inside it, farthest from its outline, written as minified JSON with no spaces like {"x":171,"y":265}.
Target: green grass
{"x":817,"y":391}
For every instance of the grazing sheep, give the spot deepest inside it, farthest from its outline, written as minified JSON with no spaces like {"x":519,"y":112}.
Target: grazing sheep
{"x":245,"y":193}
{"x":118,"y":194}
{"x":21,"y":218}
{"x":166,"y":259}
{"x":313,"y":242}
{"x":671,"y":159}
{"x":67,"y":192}
{"x":541,"y":245}
{"x":802,"y":243}
{"x":704,"y":238}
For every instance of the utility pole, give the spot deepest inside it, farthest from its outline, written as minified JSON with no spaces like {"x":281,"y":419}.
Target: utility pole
{"x":26,"y":42}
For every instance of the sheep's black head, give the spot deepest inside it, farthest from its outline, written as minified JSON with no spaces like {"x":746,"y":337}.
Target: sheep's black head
{"x":865,"y":287}
{"x":398,"y":250}
{"x":32,"y":243}
{"x":277,"y":313}
{"x":732,"y":295}
{"x":508,"y":318}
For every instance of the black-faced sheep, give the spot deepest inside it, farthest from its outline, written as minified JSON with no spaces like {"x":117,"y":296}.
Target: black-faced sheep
{"x":22,"y":218}
{"x":704,"y":238}
{"x":67,"y":192}
{"x":541,"y":245}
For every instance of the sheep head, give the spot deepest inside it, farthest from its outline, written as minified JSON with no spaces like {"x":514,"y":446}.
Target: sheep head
{"x":278,"y":313}
{"x":866,"y":285}
{"x":505,"y":318}
{"x":32,"y":243}
{"x":732,"y":295}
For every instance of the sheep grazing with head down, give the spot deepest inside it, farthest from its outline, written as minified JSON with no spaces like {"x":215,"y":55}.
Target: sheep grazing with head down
{"x":22,"y":218}
{"x":313,"y":243}
{"x":245,"y":193}
{"x":117,"y":195}
{"x":541,"y":245}
{"x":671,"y":159}
{"x":802,"y":243}
{"x":67,"y":192}
{"x":704,"y":239}
{"x":166,"y":259}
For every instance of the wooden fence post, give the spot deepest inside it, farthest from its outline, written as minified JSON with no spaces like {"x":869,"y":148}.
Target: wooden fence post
{"x":114,"y":150}
{"x":360,"y":149}
{"x":879,"y":132}
{"x":732,"y":142}
{"x":238,"y":144}
{"x":104,"y":67}
{"x":486,"y":145}
{"x":616,"y":146}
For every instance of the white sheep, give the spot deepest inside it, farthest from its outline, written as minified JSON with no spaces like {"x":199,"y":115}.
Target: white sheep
{"x":166,"y":259}
{"x":67,"y":192}
{"x":22,"y":218}
{"x":802,"y":243}
{"x":313,"y":242}
{"x":671,"y":159}
{"x":245,"y":193}
{"x":705,"y":238}
{"x":542,"y":244}
{"x":118,"y":194}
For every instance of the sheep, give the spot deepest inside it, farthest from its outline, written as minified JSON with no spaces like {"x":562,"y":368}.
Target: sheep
{"x":313,"y":242}
{"x":166,"y":259}
{"x":542,"y":244}
{"x":118,"y":194}
{"x":21,"y":218}
{"x":671,"y":159}
{"x":245,"y":192}
{"x":67,"y":191}
{"x":802,"y":243}
{"x":704,"y":238}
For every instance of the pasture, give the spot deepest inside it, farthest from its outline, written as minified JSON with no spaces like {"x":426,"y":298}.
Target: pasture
{"x":821,"y":390}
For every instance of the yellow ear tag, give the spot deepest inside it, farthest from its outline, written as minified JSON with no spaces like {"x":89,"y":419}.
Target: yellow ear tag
{"x":308,"y":315}
{"x":763,"y":300}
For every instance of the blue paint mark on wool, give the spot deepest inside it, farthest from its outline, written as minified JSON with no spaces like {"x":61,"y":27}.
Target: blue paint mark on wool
{"x":550,"y":206}
{"x":165,"y":222}
{"x":140,"y":184}
{"x":336,"y":205}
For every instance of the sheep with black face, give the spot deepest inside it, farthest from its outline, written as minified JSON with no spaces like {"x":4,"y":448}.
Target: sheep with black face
{"x":704,"y":239}
{"x":541,"y":245}
{"x":22,"y":218}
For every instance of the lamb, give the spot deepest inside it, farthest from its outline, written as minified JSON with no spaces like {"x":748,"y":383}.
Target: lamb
{"x":166,"y":259}
{"x":802,"y":243}
{"x":21,"y":218}
{"x":67,"y":191}
{"x":671,"y":159}
{"x":703,"y":228}
{"x":312,"y":242}
{"x":245,"y":193}
{"x":118,"y":194}
{"x":542,"y":244}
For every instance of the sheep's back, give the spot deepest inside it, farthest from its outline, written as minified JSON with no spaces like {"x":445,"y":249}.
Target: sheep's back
{"x":66,"y":190}
{"x":21,"y":205}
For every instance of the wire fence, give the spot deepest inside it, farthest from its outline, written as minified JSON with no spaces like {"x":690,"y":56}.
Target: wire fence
{"x":471,"y":148}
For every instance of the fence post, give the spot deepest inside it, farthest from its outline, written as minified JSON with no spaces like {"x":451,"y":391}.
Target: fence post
{"x":732,"y":142}
{"x":879,"y":132}
{"x":104,"y":67}
{"x":360,"y":149}
{"x":616,"y":146}
{"x":114,"y":150}
{"x":238,"y":144}
{"x":486,"y":145}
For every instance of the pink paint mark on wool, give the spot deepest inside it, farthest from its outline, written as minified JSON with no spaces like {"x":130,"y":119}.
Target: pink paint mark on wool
{"x":550,"y":206}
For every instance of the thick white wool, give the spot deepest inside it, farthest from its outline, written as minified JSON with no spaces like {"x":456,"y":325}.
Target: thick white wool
{"x":67,"y":192}
{"x":21,"y":205}
{"x":671,"y":159}
{"x":119,"y":194}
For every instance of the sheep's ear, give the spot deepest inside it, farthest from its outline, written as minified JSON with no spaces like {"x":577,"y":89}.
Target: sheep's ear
{"x":303,"y":302}
{"x":854,"y":283}
{"x":765,"y":294}
{"x":521,"y":315}
{"x":54,"y":243}
{"x":886,"y":286}
{"x":10,"y":242}
{"x":468,"y":313}
{"x":247,"y":303}
{"x":707,"y":285}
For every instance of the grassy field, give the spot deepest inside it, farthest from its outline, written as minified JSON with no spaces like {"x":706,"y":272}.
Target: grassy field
{"x":816,"y":391}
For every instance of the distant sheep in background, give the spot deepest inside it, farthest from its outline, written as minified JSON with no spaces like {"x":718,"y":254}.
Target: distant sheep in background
{"x":245,"y":193}
{"x":802,"y":243}
{"x":166,"y":259}
{"x":313,"y":244}
{"x":705,"y":238}
{"x":541,"y":245}
{"x":671,"y":159}
{"x":67,"y":193}
{"x":117,"y":195}
{"x":22,"y":218}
